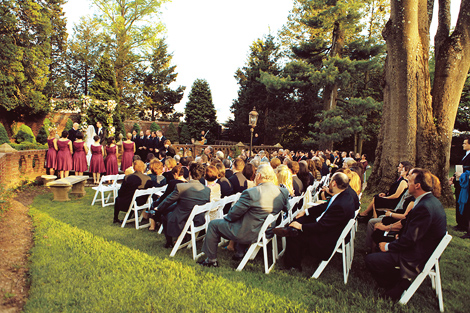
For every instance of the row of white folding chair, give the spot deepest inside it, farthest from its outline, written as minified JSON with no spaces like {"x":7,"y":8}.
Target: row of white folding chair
{"x":431,"y":269}
{"x":192,"y":230}
{"x":134,"y":207}
{"x":102,"y":188}
{"x":262,"y":242}
{"x":343,"y":247}
{"x":117,"y":184}
{"x":288,"y":218}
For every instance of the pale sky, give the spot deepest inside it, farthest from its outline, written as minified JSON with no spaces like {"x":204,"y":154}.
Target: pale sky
{"x":210,"y":39}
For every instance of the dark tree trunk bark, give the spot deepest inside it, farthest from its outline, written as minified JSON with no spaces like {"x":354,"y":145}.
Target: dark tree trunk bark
{"x":415,"y":126}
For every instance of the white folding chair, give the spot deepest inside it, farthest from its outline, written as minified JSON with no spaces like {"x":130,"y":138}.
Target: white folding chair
{"x":287,"y":219}
{"x":262,"y":242}
{"x":341,"y":247}
{"x":220,"y":212}
{"x":193,"y":230}
{"x":102,"y":188}
{"x":432,"y":269}
{"x":134,"y":207}
{"x":308,"y":196}
{"x":117,"y":184}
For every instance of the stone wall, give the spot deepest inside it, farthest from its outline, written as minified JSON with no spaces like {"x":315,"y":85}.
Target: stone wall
{"x":18,"y":166}
{"x":144,"y":125}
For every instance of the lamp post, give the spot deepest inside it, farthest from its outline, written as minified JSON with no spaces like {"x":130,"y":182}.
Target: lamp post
{"x":252,"y":122}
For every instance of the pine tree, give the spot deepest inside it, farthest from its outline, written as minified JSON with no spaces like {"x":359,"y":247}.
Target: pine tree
{"x":185,"y":136}
{"x":160,"y":99}
{"x":103,"y":86}
{"x":200,"y":113}
{"x":172,"y":133}
{"x":3,"y":135}
{"x":154,"y":127}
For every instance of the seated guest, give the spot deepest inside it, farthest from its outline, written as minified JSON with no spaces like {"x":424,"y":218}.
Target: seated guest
{"x":225,"y":186}
{"x":424,"y":228}
{"x":170,"y":163}
{"x":319,"y":231}
{"x":170,"y":150}
{"x":249,"y":171}
{"x":296,"y":182}
{"x":312,"y":167}
{"x":132,"y":182}
{"x":238,"y":180}
{"x":219,"y":155}
{"x":228,"y":170}
{"x":354,"y":180}
{"x":390,"y":199}
{"x":304,"y":174}
{"x":156,"y":170}
{"x":262,"y":155}
{"x":284,"y":178}
{"x":244,"y":220}
{"x":177,"y":207}
{"x":275,"y":162}
{"x":185,"y":162}
{"x":177,"y":173}
{"x":210,"y":180}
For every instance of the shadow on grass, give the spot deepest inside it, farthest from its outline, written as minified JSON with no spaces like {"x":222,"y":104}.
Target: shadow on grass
{"x":293,"y":291}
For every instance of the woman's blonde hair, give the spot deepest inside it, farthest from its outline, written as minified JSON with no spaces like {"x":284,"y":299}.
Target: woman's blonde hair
{"x":284,"y":176}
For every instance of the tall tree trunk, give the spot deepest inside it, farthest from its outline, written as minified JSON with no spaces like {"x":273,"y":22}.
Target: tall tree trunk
{"x":413,"y":127}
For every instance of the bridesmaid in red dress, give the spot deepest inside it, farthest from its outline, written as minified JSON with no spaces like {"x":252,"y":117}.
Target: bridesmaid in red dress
{"x":96,"y":162}
{"x":129,"y":150}
{"x":64,"y":156}
{"x":51,"y":160}
{"x":111,"y":157}
{"x":79,"y":156}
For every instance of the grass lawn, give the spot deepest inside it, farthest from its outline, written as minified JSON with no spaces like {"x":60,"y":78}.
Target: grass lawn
{"x":81,"y":262}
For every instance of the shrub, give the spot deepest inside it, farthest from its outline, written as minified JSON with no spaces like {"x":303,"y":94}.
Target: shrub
{"x":24,"y":134}
{"x":68,"y":125}
{"x":47,"y":123}
{"x":185,"y":136}
{"x":3,"y":135}
{"x":42,"y":135}
{"x":136,"y":127}
{"x":28,"y":146}
{"x":172,"y":133}
{"x":154,"y":127}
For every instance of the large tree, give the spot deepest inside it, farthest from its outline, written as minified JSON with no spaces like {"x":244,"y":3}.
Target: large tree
{"x":127,"y":24}
{"x":160,"y":99}
{"x":418,"y":118}
{"x":199,"y":112}
{"x":83,"y":55}
{"x":104,"y":87}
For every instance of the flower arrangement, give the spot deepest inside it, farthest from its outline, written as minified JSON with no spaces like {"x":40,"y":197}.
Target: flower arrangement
{"x":111,"y":130}
{"x":83,"y":126}
{"x":53,"y":128}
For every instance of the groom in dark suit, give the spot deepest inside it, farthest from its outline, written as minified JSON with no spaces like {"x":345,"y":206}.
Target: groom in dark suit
{"x":244,"y":220}
{"x":425,"y":227}
{"x":318,"y":228}
{"x":101,"y":132}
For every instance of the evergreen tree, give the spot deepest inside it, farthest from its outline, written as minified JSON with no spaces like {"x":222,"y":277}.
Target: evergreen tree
{"x":185,"y":136}
{"x":200,"y":113}
{"x":25,"y":48}
{"x":55,"y":86}
{"x":160,"y":99}
{"x":103,"y":86}
{"x":136,"y":127}
{"x":83,"y":54}
{"x":264,"y":55}
{"x":3,"y":135}
{"x":172,"y":133}
{"x":42,"y":135}
{"x":154,"y":127}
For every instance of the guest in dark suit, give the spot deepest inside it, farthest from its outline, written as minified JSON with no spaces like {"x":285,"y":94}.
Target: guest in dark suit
{"x":425,"y":227}
{"x":131,"y":183}
{"x":100,"y":132}
{"x":134,"y":135}
{"x":238,"y":180}
{"x":463,"y":220}
{"x":185,"y":162}
{"x":160,"y":141}
{"x":319,"y":231}
{"x":177,"y":207}
{"x":228,"y":170}
{"x":244,"y":220}
{"x":73,"y":132}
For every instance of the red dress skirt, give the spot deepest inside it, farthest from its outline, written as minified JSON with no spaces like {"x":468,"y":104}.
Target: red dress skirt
{"x":51,"y":160}
{"x":79,"y":157}
{"x":64,"y":156}
{"x":111,"y":161}
{"x":96,"y":162}
{"x":127,"y":156}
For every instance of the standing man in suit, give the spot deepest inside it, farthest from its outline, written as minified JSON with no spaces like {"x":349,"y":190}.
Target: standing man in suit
{"x":238,"y":180}
{"x":177,"y":207}
{"x":318,"y":228}
{"x":462,"y":218}
{"x":160,"y":141}
{"x":134,"y":135}
{"x":244,"y":220}
{"x":100,"y":132}
{"x":73,"y":132}
{"x":139,"y":145}
{"x":425,"y":226}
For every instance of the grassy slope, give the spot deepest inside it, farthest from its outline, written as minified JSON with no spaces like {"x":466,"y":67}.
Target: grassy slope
{"x":83,"y":263}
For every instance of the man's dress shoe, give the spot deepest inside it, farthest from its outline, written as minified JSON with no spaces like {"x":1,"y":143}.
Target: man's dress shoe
{"x":286,"y":231}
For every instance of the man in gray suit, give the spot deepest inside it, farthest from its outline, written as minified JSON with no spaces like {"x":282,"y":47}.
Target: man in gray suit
{"x":244,"y":220}
{"x":177,"y":207}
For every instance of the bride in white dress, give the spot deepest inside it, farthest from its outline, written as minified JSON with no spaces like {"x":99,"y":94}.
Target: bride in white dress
{"x":90,"y":133}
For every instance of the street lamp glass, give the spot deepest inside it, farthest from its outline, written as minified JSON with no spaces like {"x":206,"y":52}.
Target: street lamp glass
{"x":253,"y":118}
